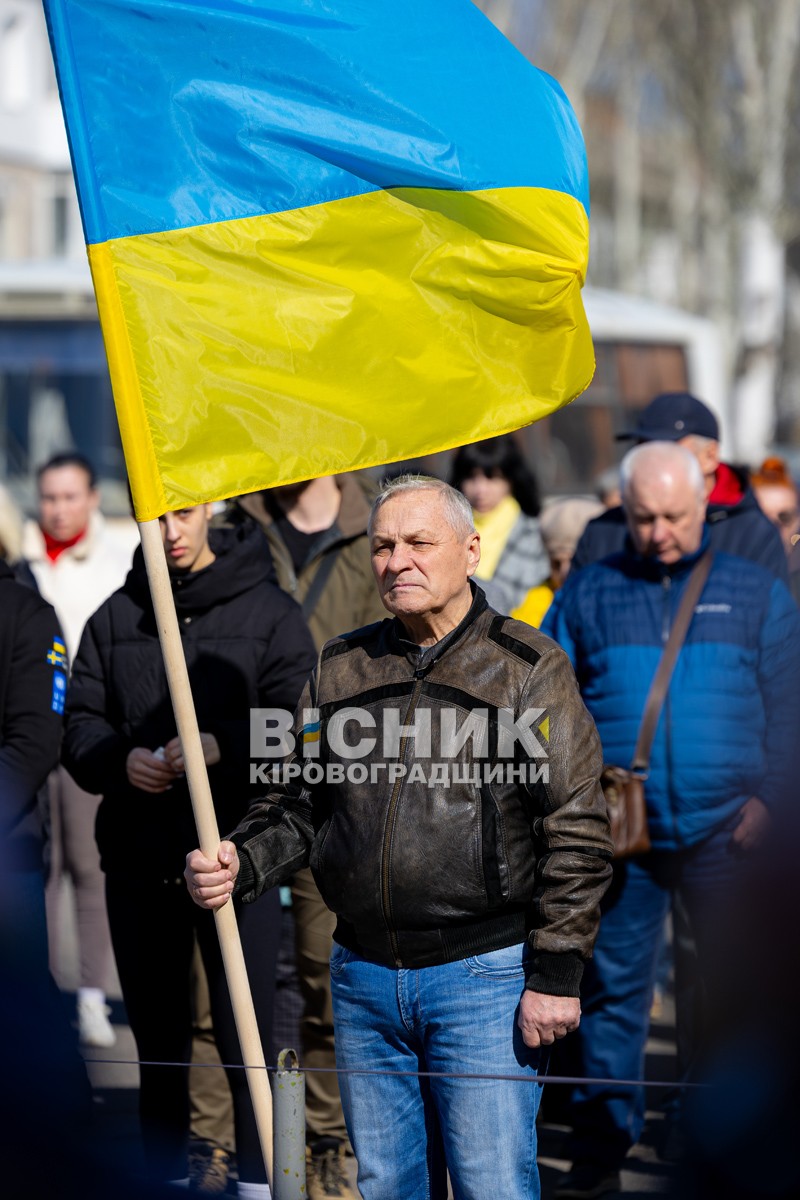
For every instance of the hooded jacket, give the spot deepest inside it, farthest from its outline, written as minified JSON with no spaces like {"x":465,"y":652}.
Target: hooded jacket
{"x":33,"y":677}
{"x":730,"y":719}
{"x":432,"y":860}
{"x":246,"y":646}
{"x":740,"y":529}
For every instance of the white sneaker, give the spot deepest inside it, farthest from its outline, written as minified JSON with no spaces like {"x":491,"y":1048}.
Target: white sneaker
{"x":94,"y":1027}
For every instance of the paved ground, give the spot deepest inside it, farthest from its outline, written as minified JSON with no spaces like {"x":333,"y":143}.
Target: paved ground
{"x":114,"y":1078}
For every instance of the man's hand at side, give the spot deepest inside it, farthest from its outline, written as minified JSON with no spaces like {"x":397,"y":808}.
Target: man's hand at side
{"x":544,"y":1018}
{"x":754,"y":823}
{"x":210,"y":881}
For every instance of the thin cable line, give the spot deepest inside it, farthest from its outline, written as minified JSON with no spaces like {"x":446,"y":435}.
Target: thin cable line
{"x":571,"y":1079}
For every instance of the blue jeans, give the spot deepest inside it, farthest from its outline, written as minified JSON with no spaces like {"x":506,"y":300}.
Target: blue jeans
{"x":407,"y":1131}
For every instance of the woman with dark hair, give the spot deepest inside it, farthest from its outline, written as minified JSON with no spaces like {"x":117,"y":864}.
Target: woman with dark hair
{"x":504,"y":496}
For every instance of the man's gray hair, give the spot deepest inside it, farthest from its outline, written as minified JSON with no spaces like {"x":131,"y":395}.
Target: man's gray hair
{"x":457,"y":509}
{"x":652,"y":456}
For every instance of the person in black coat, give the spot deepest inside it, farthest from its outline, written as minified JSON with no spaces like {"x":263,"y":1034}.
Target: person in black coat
{"x":247,"y":646}
{"x":33,"y":682}
{"x":51,"y":1089}
{"x":736,"y":523}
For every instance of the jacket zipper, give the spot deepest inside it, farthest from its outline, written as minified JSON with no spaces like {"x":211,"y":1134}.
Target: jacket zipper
{"x":390,"y":823}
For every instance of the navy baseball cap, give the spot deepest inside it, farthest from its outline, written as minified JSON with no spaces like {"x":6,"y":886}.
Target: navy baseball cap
{"x":672,"y":416}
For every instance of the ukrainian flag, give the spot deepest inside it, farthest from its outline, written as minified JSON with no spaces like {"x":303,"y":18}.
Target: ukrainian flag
{"x":324,"y":234}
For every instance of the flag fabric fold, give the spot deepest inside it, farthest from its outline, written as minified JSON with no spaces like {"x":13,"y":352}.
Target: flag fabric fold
{"x":324,"y":234}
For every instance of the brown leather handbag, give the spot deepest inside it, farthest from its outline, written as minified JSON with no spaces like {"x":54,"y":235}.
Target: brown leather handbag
{"x":623,"y":787}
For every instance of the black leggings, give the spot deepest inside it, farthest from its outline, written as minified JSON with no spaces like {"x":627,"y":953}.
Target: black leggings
{"x":153,"y":929}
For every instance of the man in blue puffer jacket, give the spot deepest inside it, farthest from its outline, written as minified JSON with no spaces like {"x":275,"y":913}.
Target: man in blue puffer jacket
{"x":719,"y":761}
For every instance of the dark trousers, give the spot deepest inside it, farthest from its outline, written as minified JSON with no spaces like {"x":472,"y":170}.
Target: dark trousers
{"x":618,"y":983}
{"x":210,"y":1099}
{"x":153,"y":930}
{"x":313,"y":925}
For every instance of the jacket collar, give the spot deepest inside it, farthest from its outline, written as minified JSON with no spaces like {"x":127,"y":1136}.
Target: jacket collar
{"x":725,"y":512}
{"x":729,"y":486}
{"x":355,"y":509}
{"x":422,"y":659}
{"x":651,"y":568}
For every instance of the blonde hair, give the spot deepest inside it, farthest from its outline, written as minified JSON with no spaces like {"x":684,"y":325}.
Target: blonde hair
{"x":563,"y":522}
{"x":10,"y":527}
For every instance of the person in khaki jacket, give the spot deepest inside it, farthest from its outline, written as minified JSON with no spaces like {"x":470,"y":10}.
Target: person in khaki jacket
{"x":317,"y":533}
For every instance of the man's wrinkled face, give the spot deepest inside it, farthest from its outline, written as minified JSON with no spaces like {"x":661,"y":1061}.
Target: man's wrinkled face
{"x":185,"y":537}
{"x":66,"y":502}
{"x":421,"y":564}
{"x":665,"y":515}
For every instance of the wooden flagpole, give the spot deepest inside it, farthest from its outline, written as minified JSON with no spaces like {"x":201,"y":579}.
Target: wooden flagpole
{"x":207,"y":829}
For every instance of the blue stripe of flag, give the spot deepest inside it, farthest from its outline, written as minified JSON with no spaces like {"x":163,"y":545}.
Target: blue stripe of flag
{"x":184,"y":114}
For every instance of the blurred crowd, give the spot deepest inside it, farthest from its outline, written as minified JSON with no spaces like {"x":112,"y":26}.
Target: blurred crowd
{"x":94,"y":787}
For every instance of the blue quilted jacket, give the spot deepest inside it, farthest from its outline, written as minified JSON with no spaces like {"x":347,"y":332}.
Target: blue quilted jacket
{"x":732,"y":713}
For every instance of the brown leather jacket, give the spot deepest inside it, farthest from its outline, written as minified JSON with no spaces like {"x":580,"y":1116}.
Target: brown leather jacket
{"x":421,"y":872}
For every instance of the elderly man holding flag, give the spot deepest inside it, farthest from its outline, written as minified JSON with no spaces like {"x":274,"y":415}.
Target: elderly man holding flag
{"x":465,"y":863}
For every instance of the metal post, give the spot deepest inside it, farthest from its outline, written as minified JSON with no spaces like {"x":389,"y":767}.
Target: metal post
{"x":289,"y":1129}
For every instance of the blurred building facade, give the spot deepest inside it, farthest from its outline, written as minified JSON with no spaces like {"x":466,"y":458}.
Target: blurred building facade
{"x":691,"y":115}
{"x":54,"y":388}
{"x":39,"y":216}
